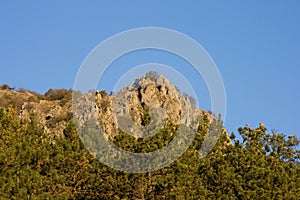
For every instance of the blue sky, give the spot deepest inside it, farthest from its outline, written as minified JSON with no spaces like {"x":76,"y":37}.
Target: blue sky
{"x":255,"y":44}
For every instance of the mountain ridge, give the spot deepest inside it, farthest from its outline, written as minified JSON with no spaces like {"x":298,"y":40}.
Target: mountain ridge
{"x":54,"y":109}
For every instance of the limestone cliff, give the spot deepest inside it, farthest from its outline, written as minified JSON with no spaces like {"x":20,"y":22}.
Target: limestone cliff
{"x":151,"y":101}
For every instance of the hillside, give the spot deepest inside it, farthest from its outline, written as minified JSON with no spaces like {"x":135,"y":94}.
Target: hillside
{"x":42,"y":156}
{"x":54,"y":109}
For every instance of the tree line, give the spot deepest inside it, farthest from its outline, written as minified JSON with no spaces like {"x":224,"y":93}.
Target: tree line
{"x":262,"y":166}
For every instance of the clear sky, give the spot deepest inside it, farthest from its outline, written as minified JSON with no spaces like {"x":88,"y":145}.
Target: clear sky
{"x":255,"y":44}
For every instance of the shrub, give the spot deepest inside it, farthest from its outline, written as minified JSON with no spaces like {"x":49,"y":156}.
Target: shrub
{"x":103,"y":93}
{"x":59,"y":94}
{"x":6,"y":87}
{"x":104,"y":104}
{"x":22,"y":90}
{"x":152,"y":75}
{"x":8,"y":99}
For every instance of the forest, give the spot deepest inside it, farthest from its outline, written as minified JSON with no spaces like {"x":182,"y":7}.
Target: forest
{"x":264,"y":164}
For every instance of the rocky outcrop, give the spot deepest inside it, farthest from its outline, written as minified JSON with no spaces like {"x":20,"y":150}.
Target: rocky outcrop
{"x":51,"y":115}
{"x":151,"y":97}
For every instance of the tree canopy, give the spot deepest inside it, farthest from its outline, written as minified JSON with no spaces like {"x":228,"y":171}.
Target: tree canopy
{"x":35,"y":166}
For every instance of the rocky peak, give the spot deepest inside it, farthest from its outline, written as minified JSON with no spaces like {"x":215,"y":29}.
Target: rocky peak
{"x":151,"y":95}
{"x":148,"y":103}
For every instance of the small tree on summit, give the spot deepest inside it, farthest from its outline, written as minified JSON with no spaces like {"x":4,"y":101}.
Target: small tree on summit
{"x":152,"y":75}
{"x":6,"y":87}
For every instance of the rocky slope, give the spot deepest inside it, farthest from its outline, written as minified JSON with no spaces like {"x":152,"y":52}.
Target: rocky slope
{"x":149,"y":103}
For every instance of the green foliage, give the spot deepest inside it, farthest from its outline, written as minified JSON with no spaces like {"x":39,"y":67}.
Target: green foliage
{"x":35,"y":166}
{"x":62,"y":95}
{"x":146,"y":117}
{"x":255,"y":168}
{"x":143,"y":145}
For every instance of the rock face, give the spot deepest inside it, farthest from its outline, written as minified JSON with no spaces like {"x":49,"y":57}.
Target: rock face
{"x":151,"y":95}
{"x":51,"y":114}
{"x":152,"y":99}
{"x":153,"y":92}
